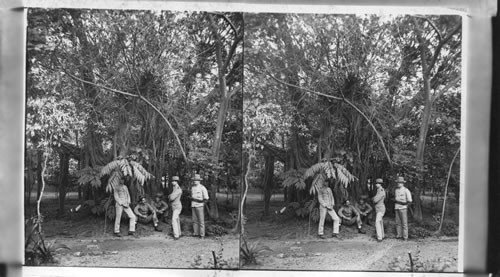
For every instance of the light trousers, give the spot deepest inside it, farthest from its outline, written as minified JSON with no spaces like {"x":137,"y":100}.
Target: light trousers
{"x":198,"y":217}
{"x":402,"y":223}
{"x":118,"y":216}
{"x":322,"y":216}
{"x":176,"y":222}
{"x":379,"y":223}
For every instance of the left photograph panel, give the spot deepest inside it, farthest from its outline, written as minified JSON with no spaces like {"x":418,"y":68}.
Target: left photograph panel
{"x":133,"y":138}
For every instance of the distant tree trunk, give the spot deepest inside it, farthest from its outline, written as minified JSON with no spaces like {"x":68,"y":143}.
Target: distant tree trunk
{"x":268,"y":181}
{"x":39,"y":176}
{"x":63,"y":180}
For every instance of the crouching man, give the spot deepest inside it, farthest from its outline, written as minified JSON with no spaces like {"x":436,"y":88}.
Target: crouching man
{"x":350,"y":216}
{"x":146,"y":214}
{"x":161,"y":208}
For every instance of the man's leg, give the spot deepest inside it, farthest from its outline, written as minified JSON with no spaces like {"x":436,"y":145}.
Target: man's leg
{"x":398,"y":224}
{"x":336,"y":221}
{"x":118,"y":217}
{"x":379,"y":225}
{"x":322,"y":216}
{"x":175,"y":223}
{"x":404,"y":222}
{"x":358,"y":221}
{"x":155,"y":220}
{"x":196,"y":225}
{"x":132,"y":219}
{"x":201,"y":219}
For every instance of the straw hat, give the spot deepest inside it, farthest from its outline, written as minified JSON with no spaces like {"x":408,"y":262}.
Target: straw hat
{"x":379,"y":181}
{"x":175,"y":178}
{"x":197,"y":177}
{"x":400,"y":179}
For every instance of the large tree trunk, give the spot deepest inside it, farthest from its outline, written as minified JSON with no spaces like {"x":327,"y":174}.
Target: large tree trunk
{"x":225,"y":97}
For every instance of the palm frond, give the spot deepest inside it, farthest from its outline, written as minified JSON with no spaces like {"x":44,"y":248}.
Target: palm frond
{"x":343,"y":175}
{"x":89,"y":175}
{"x":317,"y":183}
{"x":294,"y":178}
{"x":313,"y":170}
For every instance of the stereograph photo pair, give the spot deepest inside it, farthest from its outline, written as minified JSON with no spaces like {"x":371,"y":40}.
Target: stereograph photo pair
{"x":258,"y":125}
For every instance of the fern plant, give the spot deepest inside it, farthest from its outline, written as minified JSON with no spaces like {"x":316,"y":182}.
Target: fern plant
{"x":89,"y":175}
{"x":294,"y":178}
{"x":118,"y":169}
{"x":323,"y":171}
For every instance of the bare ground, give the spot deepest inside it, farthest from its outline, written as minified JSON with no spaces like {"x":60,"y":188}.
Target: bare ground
{"x":288,"y":243}
{"x":91,"y":242}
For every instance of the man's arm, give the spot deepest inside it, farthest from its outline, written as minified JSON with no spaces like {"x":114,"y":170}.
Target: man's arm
{"x":378,"y":196}
{"x":173,"y":196}
{"x":408,"y":196}
{"x":204,"y":193}
{"x":341,"y":212}
{"x":356,"y":212}
{"x":136,"y":211}
{"x":370,"y":209}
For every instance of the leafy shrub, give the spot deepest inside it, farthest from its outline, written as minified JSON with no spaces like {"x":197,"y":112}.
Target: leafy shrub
{"x":37,"y":251}
{"x":450,"y":229}
{"x":249,"y":252}
{"x":216,"y":230}
{"x":418,"y":232}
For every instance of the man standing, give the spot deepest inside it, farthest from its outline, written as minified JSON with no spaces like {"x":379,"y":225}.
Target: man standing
{"x":365,"y":210}
{"x":378,"y":201}
{"x":199,"y":196}
{"x":122,"y":203}
{"x":326,"y":203}
{"x":402,"y":197}
{"x":175,"y":203}
{"x":146,"y":213}
{"x":349,"y":216}
{"x":160,"y":207}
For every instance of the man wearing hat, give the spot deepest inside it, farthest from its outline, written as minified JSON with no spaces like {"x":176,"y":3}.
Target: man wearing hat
{"x":199,"y":196}
{"x":403,"y":199}
{"x":175,"y":203}
{"x":146,"y":213}
{"x":378,"y":201}
{"x":160,"y":207}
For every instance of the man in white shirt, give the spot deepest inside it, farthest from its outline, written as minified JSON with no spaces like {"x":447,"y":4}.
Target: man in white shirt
{"x":402,"y":196}
{"x":175,"y":203}
{"x":199,"y":196}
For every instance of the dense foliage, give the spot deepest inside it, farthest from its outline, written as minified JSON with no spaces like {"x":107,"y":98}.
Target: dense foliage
{"x":139,"y":95}
{"x":377,"y":95}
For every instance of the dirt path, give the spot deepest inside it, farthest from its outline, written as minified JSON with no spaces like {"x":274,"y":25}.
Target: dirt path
{"x":357,"y":253}
{"x":151,"y":251}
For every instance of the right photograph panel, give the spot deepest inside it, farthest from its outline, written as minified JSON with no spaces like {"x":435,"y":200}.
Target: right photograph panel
{"x":352,"y":142}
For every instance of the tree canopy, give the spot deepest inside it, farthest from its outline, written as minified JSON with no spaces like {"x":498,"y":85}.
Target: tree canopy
{"x":377,"y":95}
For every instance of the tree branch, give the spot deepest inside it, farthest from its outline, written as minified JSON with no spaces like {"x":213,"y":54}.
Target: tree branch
{"x":442,"y":91}
{"x":143,"y":99}
{"x":346,"y":101}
